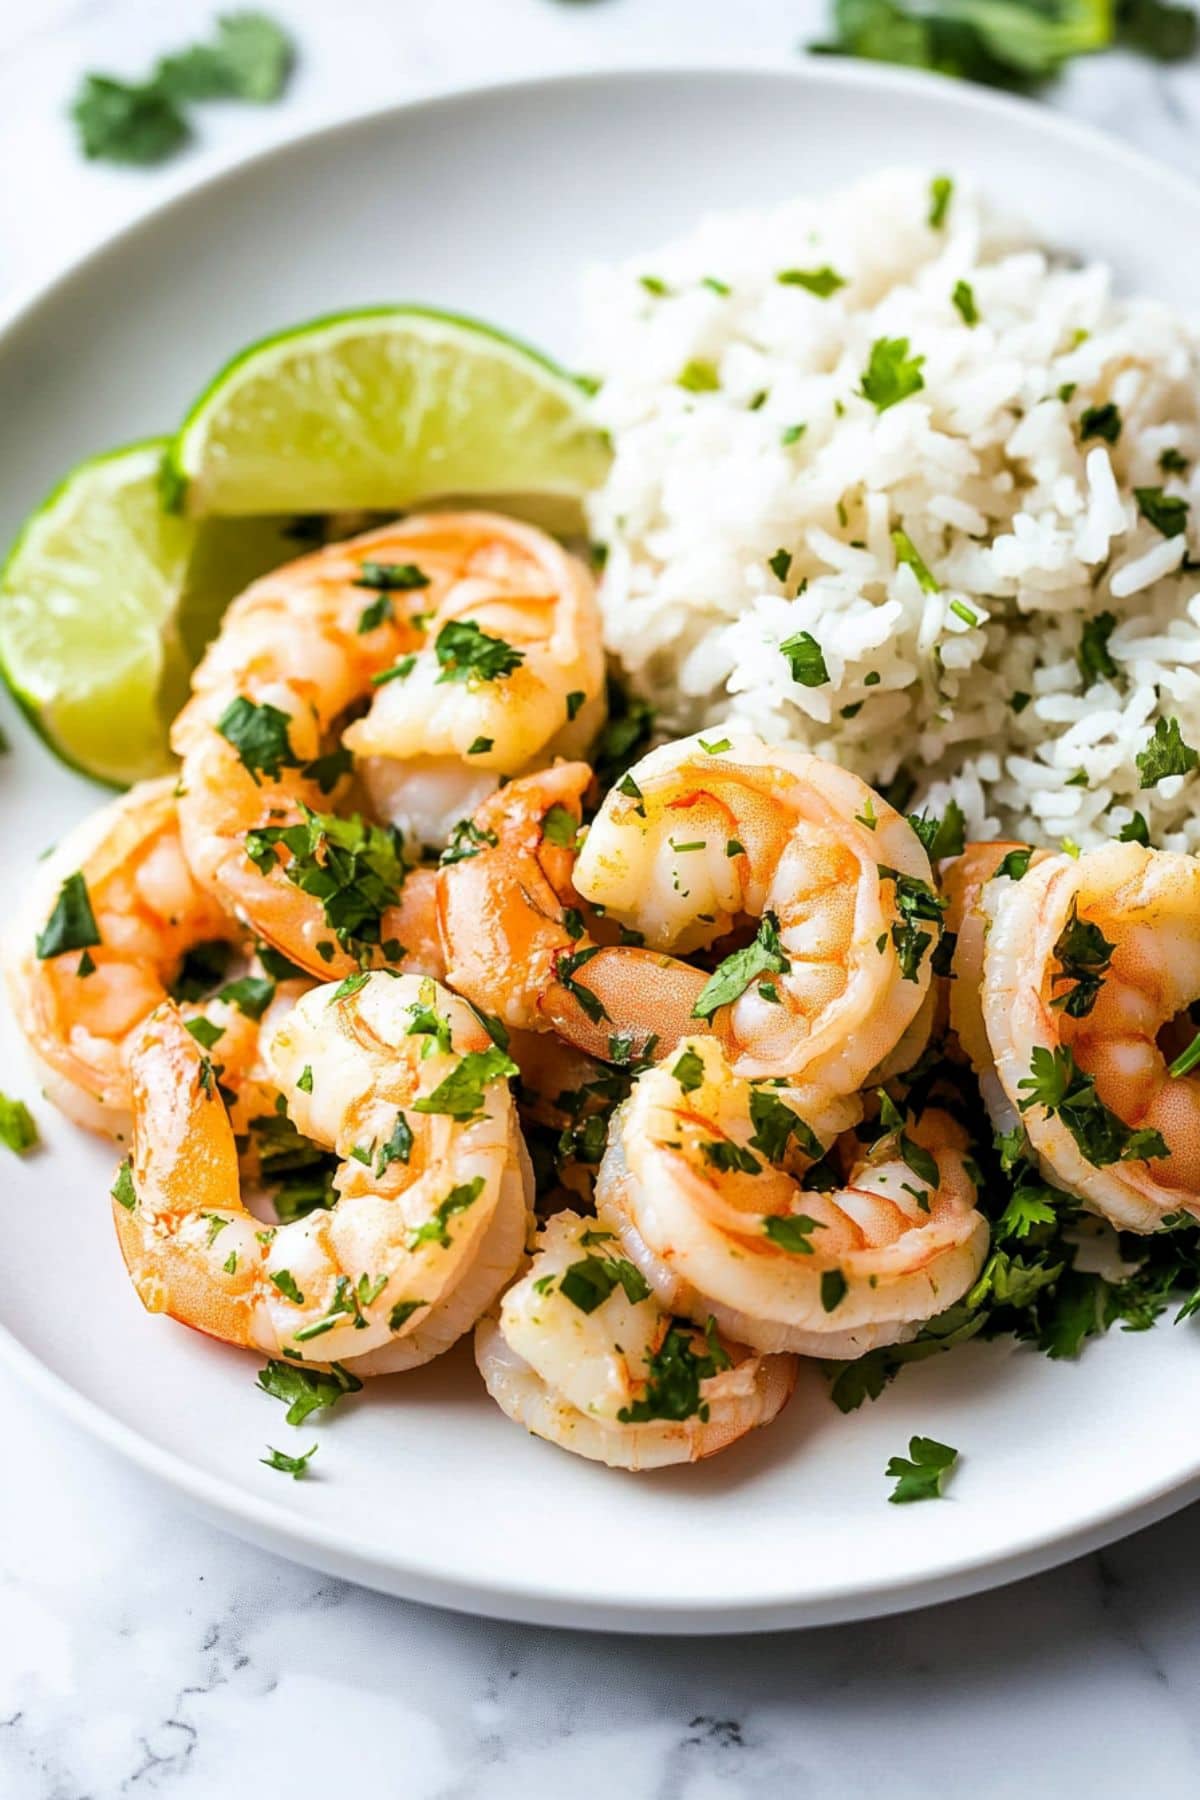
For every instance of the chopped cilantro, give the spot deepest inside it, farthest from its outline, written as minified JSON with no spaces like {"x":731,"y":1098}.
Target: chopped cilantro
{"x":689,"y":1071}
{"x":791,"y":1232}
{"x":1084,"y":957}
{"x":1135,"y":831}
{"x":891,"y":375}
{"x":1093,"y":657}
{"x":295,"y":1466}
{"x":72,"y":923}
{"x":780,"y":564}
{"x":731,"y":978}
{"x":467,"y":840}
{"x":397,"y":1148}
{"x":699,"y":377}
{"x":204,"y":1031}
{"x":774,"y":1123}
{"x":259,"y":734}
{"x":1014,"y":865}
{"x":589,"y":1282}
{"x":941,"y":190}
{"x":941,"y":837}
{"x":123,"y":1190}
{"x":806,"y":659}
{"x":1165,"y":754}
{"x":834,"y":1289}
{"x":921,"y":1474}
{"x":963,"y":297}
{"x":306,"y":1390}
{"x":1166,"y":512}
{"x":388,"y":578}
{"x":284,"y":1280}
{"x":354,"y":868}
{"x":18,"y":1132}
{"x":730,"y":1158}
{"x":566,"y":969}
{"x":466,"y":653}
{"x":907,"y":555}
{"x":822,"y":282}
{"x":560,"y":827}
{"x":1100,"y":422}
{"x":1056,"y":1082}
{"x":435,"y":1230}
{"x":673,"y":1375}
{"x":460,"y":1094}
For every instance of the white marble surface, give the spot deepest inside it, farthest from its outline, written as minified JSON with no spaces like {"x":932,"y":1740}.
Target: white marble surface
{"x":141,"y":1652}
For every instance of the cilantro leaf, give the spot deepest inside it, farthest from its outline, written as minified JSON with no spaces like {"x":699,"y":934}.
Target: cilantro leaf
{"x":295,"y":1466}
{"x":18,"y":1132}
{"x":460,"y":1094}
{"x":589,"y":1282}
{"x":306,"y":1390}
{"x":354,"y":868}
{"x":791,"y":1231}
{"x":1056,"y":1082}
{"x":435,"y":1230}
{"x":251,"y":994}
{"x":1095,"y":662}
{"x":1166,"y":512}
{"x":775,"y":1122}
{"x":822,"y":282}
{"x":907,"y":555}
{"x":466,"y":653}
{"x":942,"y":837}
{"x":127,"y":122}
{"x":673,"y":1375}
{"x":921,"y":1474}
{"x":806,"y":659}
{"x":249,"y":59}
{"x":689,"y":1071}
{"x":1165,"y":754}
{"x":732,"y":977}
{"x":1100,"y":422}
{"x":1084,"y":957}
{"x":891,"y":375}
{"x":941,"y":191}
{"x":963,"y":297}
{"x":259,"y":734}
{"x":72,"y":923}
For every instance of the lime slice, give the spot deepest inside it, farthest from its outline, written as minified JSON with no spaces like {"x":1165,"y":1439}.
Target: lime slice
{"x":105,"y":604}
{"x":379,"y":409}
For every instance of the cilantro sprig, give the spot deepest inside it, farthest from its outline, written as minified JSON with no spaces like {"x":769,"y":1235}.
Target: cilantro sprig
{"x":249,"y":58}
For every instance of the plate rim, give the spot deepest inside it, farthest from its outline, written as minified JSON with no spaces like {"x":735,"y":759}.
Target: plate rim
{"x":314,"y":1543}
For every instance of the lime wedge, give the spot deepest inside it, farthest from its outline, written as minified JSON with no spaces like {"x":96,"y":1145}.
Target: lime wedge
{"x":105,"y":604}
{"x":379,"y":409}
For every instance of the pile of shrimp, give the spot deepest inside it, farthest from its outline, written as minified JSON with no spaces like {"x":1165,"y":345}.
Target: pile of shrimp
{"x":408,"y":1029}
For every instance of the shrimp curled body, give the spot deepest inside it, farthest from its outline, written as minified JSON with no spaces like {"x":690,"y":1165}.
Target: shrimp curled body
{"x":398,"y":1077}
{"x":81,"y":1008}
{"x":581,"y":1365}
{"x":476,"y":643}
{"x":1092,"y":964}
{"x":702,"y":1181}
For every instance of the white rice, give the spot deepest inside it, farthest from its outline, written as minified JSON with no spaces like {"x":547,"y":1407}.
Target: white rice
{"x":1024,"y":523}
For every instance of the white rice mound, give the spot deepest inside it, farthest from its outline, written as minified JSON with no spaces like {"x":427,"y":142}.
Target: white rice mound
{"x":1027,"y":526}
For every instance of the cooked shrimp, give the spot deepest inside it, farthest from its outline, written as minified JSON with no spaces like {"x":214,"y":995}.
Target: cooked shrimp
{"x":582,"y":1354}
{"x":404,"y":614}
{"x":702,"y":1181}
{"x":1090,"y":968}
{"x":398,"y":1077}
{"x":691,"y":846}
{"x":962,"y":881}
{"x":515,"y":931}
{"x":510,"y":674}
{"x":101,"y":938}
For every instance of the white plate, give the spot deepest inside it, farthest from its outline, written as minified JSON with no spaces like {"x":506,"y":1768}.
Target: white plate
{"x":491,"y":202}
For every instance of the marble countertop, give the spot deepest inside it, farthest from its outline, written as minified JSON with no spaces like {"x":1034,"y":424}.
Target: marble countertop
{"x":143,"y":1652}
